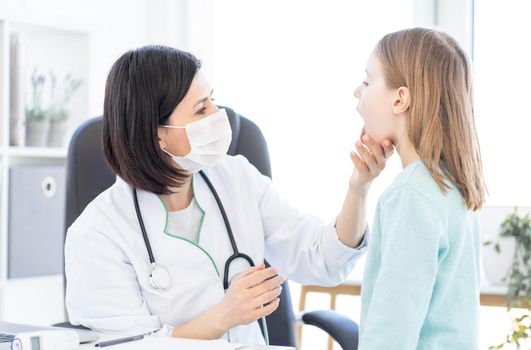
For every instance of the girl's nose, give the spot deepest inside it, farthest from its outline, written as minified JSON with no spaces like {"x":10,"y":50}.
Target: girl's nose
{"x":357,"y":93}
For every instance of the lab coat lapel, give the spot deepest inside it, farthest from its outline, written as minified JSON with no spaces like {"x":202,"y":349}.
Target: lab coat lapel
{"x":153,"y":213}
{"x":177,"y":255}
{"x":213,"y":236}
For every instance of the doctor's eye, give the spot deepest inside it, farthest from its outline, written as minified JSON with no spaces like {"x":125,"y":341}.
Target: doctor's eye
{"x":365,"y":83}
{"x":201,"y":111}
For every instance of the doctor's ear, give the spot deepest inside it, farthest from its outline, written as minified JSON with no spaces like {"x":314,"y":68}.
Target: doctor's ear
{"x":402,"y":100}
{"x":161,"y":137}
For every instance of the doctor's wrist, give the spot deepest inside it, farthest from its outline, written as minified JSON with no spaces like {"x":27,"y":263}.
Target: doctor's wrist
{"x":360,"y":192}
{"x":219,"y":319}
{"x":209,"y":325}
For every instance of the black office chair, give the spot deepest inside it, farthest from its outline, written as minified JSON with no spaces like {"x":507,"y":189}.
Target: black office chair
{"x":88,"y":175}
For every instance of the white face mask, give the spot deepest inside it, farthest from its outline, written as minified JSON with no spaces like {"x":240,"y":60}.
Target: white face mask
{"x":209,"y":139}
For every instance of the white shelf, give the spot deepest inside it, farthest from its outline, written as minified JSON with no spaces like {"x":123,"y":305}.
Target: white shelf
{"x":61,"y":45}
{"x":37,"y":152}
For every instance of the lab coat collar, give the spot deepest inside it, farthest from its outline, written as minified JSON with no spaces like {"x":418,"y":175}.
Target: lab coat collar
{"x":151,"y":207}
{"x":212,"y":234}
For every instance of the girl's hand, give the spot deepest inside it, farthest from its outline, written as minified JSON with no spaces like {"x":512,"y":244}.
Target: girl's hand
{"x":247,"y":293}
{"x":369,"y":160}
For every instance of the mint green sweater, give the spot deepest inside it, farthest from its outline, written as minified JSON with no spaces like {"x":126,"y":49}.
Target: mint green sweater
{"x":421,"y":282}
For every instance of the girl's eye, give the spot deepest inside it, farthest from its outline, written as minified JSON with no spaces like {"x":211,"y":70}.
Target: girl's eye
{"x":365,"y":83}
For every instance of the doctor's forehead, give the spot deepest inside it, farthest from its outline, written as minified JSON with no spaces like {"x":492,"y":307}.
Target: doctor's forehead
{"x":198,"y":91}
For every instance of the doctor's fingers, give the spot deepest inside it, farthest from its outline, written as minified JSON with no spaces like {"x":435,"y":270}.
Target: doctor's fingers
{"x":249,"y":271}
{"x":388,"y":148}
{"x":267,"y":297}
{"x":266,"y":286}
{"x":267,"y":310}
{"x":376,"y":149}
{"x":257,"y":277}
{"x":367,"y":157}
{"x":359,"y":163}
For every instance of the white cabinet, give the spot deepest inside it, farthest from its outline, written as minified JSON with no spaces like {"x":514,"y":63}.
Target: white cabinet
{"x":30,"y":43}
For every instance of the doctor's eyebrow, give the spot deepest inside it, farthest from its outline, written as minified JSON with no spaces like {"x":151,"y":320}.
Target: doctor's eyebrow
{"x":205,"y":98}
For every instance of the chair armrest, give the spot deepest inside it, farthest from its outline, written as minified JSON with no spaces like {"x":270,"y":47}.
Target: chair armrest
{"x":341,"y":328}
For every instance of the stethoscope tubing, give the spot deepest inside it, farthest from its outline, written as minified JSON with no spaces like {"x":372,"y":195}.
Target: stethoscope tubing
{"x":236,"y":254}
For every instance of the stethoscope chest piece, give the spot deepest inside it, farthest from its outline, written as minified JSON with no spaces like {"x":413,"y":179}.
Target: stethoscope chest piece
{"x":159,"y":278}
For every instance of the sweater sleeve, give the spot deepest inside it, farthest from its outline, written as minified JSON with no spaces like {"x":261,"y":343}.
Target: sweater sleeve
{"x":411,"y":233}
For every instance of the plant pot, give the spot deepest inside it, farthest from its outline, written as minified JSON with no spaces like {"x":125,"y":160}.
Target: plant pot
{"x":37,"y":133}
{"x":497,"y":265}
{"x":56,"y":134}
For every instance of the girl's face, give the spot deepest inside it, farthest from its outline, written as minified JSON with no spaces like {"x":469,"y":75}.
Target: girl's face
{"x":376,"y":101}
{"x":196,"y":105}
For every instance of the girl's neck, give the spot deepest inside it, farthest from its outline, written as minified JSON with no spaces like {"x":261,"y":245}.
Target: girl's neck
{"x":180,"y":198}
{"x":407,"y":152}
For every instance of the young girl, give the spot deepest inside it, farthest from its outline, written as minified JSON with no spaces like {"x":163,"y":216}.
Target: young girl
{"x":421,"y":282}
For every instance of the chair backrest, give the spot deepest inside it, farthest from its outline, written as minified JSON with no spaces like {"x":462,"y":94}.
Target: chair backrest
{"x":88,"y":175}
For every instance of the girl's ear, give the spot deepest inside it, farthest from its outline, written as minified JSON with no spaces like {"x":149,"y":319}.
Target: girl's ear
{"x":402,"y":100}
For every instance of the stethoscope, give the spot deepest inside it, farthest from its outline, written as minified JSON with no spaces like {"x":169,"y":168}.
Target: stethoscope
{"x":159,"y":277}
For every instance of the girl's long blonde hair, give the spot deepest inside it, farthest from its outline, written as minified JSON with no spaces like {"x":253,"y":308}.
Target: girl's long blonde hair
{"x":441,"y":117}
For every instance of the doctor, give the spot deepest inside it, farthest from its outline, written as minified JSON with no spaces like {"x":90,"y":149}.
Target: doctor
{"x":170,"y":247}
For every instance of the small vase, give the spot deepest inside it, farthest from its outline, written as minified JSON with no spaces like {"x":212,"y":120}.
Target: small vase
{"x":37,"y":133}
{"x":57,"y":133}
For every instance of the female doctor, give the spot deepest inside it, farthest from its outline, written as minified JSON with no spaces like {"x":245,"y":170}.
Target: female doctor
{"x":170,"y":247}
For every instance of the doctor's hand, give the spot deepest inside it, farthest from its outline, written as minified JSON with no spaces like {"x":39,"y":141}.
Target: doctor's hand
{"x":247,"y":293}
{"x":369,"y":160}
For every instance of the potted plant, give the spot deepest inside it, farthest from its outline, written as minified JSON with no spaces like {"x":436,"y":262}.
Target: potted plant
{"x":57,"y":112}
{"x":37,"y":123}
{"x":519,"y":280}
{"x":496,"y":258}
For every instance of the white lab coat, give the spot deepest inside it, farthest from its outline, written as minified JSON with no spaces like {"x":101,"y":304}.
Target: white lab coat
{"x":107,"y":264}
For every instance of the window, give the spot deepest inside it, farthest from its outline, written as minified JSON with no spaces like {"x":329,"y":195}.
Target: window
{"x":292,"y":67}
{"x":502,"y":57}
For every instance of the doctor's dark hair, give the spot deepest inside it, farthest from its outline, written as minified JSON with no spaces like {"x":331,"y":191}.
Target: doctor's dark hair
{"x":143,"y":88}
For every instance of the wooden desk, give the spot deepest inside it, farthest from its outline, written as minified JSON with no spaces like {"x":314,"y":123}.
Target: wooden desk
{"x":490,"y":295}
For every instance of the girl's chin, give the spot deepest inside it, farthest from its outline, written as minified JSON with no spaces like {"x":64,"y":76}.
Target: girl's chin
{"x":378,"y":138}
{"x":365,"y":132}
